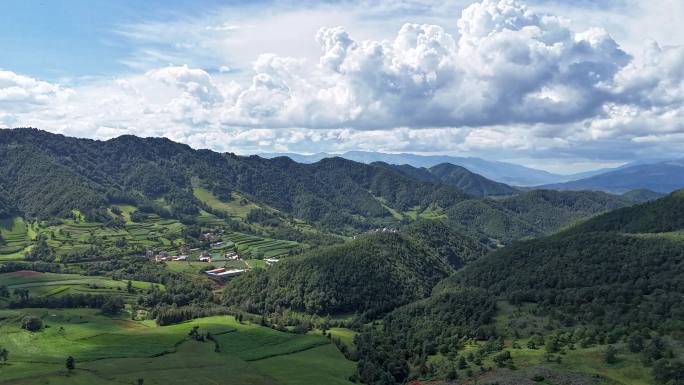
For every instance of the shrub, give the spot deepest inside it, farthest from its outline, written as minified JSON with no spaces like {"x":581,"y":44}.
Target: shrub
{"x":32,"y":324}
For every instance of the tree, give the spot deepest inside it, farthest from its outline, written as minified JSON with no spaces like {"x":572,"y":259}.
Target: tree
{"x":462,"y":364}
{"x":502,"y":358}
{"x":635,"y":343}
{"x":4,"y":291}
{"x":113,"y":305}
{"x":610,"y":355}
{"x":70,"y":363}
{"x":32,"y":324}
{"x":4,"y":355}
{"x":41,"y":251}
{"x":129,"y":286}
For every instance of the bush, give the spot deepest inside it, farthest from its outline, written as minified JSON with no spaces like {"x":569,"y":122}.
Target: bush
{"x":32,"y":324}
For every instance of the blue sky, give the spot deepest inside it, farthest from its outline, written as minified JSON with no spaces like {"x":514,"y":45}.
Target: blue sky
{"x":76,"y":38}
{"x":564,"y":86}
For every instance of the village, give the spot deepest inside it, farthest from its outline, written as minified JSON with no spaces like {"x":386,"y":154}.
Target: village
{"x":217,"y":252}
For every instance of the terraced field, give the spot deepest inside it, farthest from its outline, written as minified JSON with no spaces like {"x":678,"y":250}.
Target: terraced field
{"x":268,"y":248}
{"x":115,"y":351}
{"x":18,"y":237}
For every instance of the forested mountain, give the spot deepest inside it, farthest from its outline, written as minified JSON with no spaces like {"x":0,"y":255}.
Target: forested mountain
{"x":615,"y":279}
{"x":503,"y":172}
{"x":455,"y":176}
{"x":662,"y":177}
{"x":530,"y":214}
{"x":48,"y":175}
{"x":622,"y":268}
{"x":642,"y":195}
{"x":370,"y":275}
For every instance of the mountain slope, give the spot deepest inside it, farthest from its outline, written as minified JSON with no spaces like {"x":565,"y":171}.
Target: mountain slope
{"x":373,"y":274}
{"x":531,"y":214}
{"x":663,"y":177}
{"x":613,"y":283}
{"x":627,"y":253}
{"x":49,"y":175}
{"x":455,"y":176}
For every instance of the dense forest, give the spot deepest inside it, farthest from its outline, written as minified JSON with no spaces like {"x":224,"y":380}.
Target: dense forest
{"x":617,"y":278}
{"x":455,"y":176}
{"x":372,"y":274}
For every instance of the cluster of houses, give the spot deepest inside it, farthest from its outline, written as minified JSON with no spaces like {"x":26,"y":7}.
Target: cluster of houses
{"x":380,"y":231}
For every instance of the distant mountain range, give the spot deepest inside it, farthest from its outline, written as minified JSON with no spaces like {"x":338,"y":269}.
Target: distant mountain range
{"x":504,"y":172}
{"x":662,"y":177}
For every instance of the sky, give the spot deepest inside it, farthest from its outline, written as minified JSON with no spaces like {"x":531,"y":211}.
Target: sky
{"x":564,"y":86}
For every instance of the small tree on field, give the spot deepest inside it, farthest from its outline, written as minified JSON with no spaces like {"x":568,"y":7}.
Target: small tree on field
{"x":610,"y":355}
{"x":32,"y":324}
{"x":70,"y":363}
{"x":4,"y":355}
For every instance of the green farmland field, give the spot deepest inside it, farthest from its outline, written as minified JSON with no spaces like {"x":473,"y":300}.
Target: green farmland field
{"x":116,"y":351}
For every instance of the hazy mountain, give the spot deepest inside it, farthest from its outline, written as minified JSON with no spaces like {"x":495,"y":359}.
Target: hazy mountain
{"x":504,"y":172}
{"x":662,"y":177}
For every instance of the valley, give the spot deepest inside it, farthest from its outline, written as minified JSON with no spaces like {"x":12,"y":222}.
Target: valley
{"x":334,"y":272}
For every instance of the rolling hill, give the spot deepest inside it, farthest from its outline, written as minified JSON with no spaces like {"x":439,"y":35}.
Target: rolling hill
{"x":370,"y":275}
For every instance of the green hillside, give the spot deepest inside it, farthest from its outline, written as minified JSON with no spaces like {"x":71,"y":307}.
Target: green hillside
{"x":602,"y":299}
{"x":372,"y":274}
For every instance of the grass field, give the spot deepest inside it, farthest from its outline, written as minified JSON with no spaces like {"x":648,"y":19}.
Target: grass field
{"x":116,"y":351}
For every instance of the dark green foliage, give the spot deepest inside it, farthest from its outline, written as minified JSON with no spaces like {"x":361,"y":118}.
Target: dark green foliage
{"x":610,"y":355}
{"x":41,"y":251}
{"x":373,"y":274}
{"x":669,"y":371}
{"x":112,"y":305}
{"x":410,"y":333}
{"x":642,"y":195}
{"x":603,"y":278}
{"x":32,"y":324}
{"x":7,"y":209}
{"x":263,"y":217}
{"x":457,"y":248}
{"x":666,"y":214}
{"x":76,"y":300}
{"x":70,"y":363}
{"x":530,"y":214}
{"x":455,"y":176}
{"x":590,"y":276}
{"x":470,"y":182}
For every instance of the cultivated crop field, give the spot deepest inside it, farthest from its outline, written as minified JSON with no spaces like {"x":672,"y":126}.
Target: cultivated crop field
{"x":118,"y":350}
{"x":50,"y":284}
{"x":17,"y":236}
